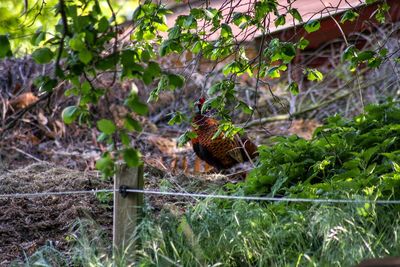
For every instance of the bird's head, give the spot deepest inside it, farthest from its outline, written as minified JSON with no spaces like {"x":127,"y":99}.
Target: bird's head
{"x":199,"y":104}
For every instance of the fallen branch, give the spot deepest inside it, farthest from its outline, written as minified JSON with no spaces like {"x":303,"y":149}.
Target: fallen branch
{"x":27,"y":154}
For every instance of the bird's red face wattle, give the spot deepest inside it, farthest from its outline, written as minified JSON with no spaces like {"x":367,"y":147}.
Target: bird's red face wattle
{"x":200,"y":103}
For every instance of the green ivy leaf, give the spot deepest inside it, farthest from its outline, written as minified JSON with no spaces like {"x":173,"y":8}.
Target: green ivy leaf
{"x":312,"y":26}
{"x":42,"y":55}
{"x":106,"y":126}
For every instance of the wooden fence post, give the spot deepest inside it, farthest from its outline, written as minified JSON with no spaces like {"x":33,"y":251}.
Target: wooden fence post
{"x":127,"y":211}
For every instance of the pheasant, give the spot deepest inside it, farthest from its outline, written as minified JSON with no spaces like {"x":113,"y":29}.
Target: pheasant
{"x":220,"y":152}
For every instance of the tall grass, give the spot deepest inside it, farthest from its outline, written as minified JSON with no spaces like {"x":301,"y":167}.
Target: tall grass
{"x":244,"y":234}
{"x":250,"y":234}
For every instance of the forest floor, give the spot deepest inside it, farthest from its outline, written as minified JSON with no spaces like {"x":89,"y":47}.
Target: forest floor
{"x":27,"y":223}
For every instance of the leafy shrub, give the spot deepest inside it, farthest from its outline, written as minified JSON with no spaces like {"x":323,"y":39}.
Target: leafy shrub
{"x":345,"y":158}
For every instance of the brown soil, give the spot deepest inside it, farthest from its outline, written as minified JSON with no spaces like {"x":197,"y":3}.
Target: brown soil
{"x":28,"y":223}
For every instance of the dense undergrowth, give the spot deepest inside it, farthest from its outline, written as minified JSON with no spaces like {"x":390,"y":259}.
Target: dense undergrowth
{"x":347,"y":159}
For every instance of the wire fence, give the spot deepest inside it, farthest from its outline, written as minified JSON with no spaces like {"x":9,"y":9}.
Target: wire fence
{"x":205,"y":196}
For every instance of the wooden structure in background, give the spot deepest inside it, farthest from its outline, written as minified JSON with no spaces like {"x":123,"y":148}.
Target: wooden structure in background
{"x":327,"y":12}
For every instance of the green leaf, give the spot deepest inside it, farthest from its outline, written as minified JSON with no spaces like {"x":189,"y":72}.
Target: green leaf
{"x":107,"y":62}
{"x":349,"y":15}
{"x":349,"y":53}
{"x":241,"y":20}
{"x":295,"y":13}
{"x":294,"y":88}
{"x":215,"y":88}
{"x":313,"y":75}
{"x":131,"y":157}
{"x":274,"y":72}
{"x":45,"y":83}
{"x":365,"y":55}
{"x":132,"y":125}
{"x":210,"y":12}
{"x":178,"y":118}
{"x":280,"y":20}
{"x":77,"y":43}
{"x":152,"y":71}
{"x":42,"y":55}
{"x":145,"y":55}
{"x":375,"y":62}
{"x":262,"y":8}
{"x":103,"y":25}
{"x":174,"y":32}
{"x":381,"y":12}
{"x":69,"y":114}
{"x":186,"y":137}
{"x":37,"y":38}
{"x":165,"y":48}
{"x":134,"y":103}
{"x":105,"y":164}
{"x":124,"y":138}
{"x":5,"y":47}
{"x":303,"y":43}
{"x":226,"y":31}
{"x":85,"y":56}
{"x":175,"y":81}
{"x":106,"y":126}
{"x":244,"y":107}
{"x":211,"y":103}
{"x":288,"y":51}
{"x":312,"y":26}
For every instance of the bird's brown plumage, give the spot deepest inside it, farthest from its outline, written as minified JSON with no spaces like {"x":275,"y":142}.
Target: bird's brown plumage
{"x":220,"y":152}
